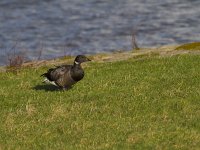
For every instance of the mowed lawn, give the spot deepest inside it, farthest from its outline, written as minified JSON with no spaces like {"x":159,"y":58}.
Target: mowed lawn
{"x":143,"y":103}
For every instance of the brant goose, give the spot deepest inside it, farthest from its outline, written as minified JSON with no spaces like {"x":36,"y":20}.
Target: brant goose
{"x":66,"y":75}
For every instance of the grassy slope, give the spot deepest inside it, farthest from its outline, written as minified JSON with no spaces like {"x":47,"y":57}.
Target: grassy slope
{"x":144,"y":103}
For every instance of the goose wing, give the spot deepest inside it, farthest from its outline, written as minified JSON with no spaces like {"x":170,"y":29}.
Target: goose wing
{"x":54,"y":74}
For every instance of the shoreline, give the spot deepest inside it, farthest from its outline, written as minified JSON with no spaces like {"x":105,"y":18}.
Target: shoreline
{"x":168,"y":50}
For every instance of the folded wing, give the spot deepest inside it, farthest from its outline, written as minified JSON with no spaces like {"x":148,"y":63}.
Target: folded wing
{"x":54,"y":74}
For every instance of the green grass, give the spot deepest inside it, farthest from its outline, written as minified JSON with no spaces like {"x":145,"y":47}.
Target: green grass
{"x":150,"y":103}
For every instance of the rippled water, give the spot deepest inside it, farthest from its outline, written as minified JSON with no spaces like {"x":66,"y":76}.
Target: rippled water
{"x":73,"y":27}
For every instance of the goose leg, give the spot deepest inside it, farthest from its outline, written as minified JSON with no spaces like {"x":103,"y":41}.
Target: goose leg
{"x":66,"y":88}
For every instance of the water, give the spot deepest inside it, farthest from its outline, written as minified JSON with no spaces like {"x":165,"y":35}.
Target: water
{"x":71,"y":27}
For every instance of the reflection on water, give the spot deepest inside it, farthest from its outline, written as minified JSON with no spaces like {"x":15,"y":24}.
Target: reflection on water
{"x":72,"y":27}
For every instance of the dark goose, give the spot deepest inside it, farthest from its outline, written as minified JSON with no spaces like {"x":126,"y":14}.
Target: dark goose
{"x":66,"y":75}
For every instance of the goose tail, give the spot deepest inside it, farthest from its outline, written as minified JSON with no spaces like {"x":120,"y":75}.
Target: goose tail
{"x":43,"y":75}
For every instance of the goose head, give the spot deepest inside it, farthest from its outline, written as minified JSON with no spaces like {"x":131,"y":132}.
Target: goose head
{"x":80,"y":59}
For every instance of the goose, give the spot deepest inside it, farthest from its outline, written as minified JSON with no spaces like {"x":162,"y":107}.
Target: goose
{"x":66,"y":75}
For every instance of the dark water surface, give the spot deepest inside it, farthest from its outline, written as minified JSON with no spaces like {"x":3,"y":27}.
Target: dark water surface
{"x":73,"y":27}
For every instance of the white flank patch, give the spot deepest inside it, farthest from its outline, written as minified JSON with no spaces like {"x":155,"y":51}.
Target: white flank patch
{"x":51,"y":82}
{"x":76,"y":62}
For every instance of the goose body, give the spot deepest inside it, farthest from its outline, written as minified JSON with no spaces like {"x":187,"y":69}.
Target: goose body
{"x":66,"y":75}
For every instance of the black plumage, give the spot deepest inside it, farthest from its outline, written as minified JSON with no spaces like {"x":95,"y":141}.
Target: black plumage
{"x":66,"y":75}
